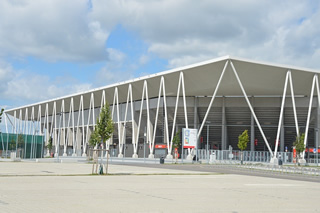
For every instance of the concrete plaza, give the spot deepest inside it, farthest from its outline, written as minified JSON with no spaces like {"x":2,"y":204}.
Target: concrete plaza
{"x":69,"y":187}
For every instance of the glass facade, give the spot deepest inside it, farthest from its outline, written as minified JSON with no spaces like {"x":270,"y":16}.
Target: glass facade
{"x":26,"y":146}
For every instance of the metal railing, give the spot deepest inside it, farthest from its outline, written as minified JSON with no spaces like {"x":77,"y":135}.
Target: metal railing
{"x":249,"y":156}
{"x":235,"y":155}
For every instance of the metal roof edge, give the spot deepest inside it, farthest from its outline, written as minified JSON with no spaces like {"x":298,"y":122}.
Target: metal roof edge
{"x":168,"y":72}
{"x":125,"y":82}
{"x":285,"y":66}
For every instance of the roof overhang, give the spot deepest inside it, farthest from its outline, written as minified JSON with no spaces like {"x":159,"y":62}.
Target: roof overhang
{"x":200,"y":79}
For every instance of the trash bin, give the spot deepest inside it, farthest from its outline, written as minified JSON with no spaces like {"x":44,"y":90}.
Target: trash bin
{"x":280,"y":161}
{"x":162,"y":160}
{"x":195,"y":158}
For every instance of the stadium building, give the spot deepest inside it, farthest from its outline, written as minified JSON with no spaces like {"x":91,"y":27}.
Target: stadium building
{"x":220,"y":97}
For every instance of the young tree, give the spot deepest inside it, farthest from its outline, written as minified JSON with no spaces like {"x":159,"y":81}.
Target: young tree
{"x":20,"y":141}
{"x":299,"y":144}
{"x":104,"y":125}
{"x":243,"y":140}
{"x":94,"y":139}
{"x":12,"y":144}
{"x":176,"y":144}
{"x":103,"y":130}
{"x":49,"y":145}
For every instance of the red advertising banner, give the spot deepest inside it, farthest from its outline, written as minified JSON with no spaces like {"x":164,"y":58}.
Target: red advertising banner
{"x":161,"y":146}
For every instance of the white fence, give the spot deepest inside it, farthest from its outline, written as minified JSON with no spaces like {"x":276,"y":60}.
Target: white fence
{"x":248,"y":156}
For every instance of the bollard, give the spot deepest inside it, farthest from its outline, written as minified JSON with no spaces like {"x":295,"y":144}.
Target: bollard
{"x":101,"y":170}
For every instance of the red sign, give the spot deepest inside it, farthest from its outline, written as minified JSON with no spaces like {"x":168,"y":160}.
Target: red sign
{"x":161,"y":146}
{"x":311,"y":150}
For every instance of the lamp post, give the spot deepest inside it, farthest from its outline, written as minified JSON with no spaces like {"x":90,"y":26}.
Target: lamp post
{"x":32,"y":142}
{"x":35,"y":146}
{"x":125,"y":145}
{"x":58,"y":142}
{"x":144,"y":144}
{"x":42,"y":146}
{"x":208,"y":122}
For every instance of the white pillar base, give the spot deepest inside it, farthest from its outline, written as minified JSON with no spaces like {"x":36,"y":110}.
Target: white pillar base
{"x":135,"y":156}
{"x":212,"y":159}
{"x":151,"y":156}
{"x":107,"y":155}
{"x":120,"y":155}
{"x":48,"y":154}
{"x":74,"y":155}
{"x":302,"y":161}
{"x":56,"y":154}
{"x":190,"y":157}
{"x":64,"y":155}
{"x":274,"y":161}
{"x":169,"y":157}
{"x":84,"y":155}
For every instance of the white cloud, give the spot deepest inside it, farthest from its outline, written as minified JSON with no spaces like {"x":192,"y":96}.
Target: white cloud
{"x":181,"y":31}
{"x":185,"y":31}
{"x":51,"y":30}
{"x":40,"y":88}
{"x":144,"y":59}
{"x":6,"y":75}
{"x":114,"y":71}
{"x":106,"y":76}
{"x":23,"y":87}
{"x":116,"y":55}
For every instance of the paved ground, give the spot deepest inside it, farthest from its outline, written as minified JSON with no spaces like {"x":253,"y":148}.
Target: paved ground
{"x":234,"y":169}
{"x":45,"y":169}
{"x":54,"y":187}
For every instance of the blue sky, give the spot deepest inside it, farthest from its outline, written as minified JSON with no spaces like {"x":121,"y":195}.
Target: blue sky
{"x":53,"y":48}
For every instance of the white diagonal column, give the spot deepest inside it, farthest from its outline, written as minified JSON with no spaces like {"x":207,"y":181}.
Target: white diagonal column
{"x":251,"y":109}
{"x":294,"y":105}
{"x":212,"y":99}
{"x":181,"y":82}
{"x":315,"y":79}
{"x":281,"y":115}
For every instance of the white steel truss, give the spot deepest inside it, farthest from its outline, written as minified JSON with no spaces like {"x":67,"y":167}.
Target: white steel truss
{"x":144,"y":96}
{"x":78,"y":125}
{"x":115,"y":101}
{"x":251,"y":109}
{"x":161,"y":89}
{"x":68,"y":125}
{"x":212,"y":99}
{"x":123,"y":129}
{"x":315,"y":81}
{"x":181,"y":82}
{"x":288,"y":78}
{"x":91,"y":109}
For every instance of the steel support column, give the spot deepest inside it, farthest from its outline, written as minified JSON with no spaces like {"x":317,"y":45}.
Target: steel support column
{"x":252,"y":132}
